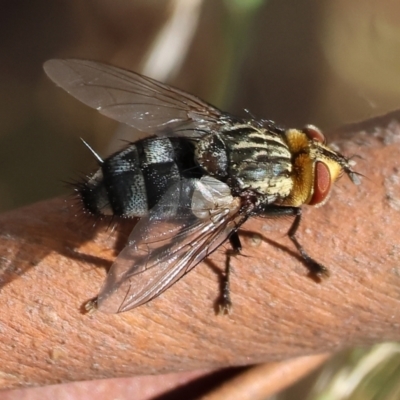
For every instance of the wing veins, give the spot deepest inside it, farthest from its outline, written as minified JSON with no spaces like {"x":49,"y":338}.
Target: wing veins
{"x":144,"y":83}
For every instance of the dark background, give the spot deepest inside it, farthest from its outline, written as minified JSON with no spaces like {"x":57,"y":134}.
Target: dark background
{"x":293,"y":61}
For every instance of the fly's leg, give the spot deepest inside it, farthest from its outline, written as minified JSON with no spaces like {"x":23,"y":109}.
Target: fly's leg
{"x":315,"y":268}
{"x":90,"y":306}
{"x":226,"y":303}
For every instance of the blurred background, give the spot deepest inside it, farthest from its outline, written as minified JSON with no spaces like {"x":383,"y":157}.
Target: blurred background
{"x":293,"y":61}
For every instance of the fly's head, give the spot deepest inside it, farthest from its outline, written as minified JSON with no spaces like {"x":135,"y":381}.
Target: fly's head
{"x":315,"y":167}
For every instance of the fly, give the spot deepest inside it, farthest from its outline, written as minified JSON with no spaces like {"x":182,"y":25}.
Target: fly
{"x":194,"y":182}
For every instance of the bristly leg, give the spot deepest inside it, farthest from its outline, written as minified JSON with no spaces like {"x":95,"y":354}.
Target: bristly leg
{"x":316,"y":269}
{"x":225,"y":306}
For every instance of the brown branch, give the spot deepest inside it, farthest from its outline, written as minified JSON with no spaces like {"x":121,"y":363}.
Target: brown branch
{"x":265,"y":380}
{"x":52,"y":262}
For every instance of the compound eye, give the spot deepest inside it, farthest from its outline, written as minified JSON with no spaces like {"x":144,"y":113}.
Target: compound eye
{"x":314,"y":133}
{"x":322,"y":183}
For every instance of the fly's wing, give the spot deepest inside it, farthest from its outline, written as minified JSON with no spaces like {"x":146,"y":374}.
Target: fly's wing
{"x":192,"y":220}
{"x":138,"y":101}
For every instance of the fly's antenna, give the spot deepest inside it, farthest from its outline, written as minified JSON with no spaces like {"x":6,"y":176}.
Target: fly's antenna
{"x":98,"y":158}
{"x":354,"y":176}
{"x":345,"y":163}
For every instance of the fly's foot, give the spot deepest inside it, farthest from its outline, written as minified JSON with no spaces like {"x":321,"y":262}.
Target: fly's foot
{"x":90,"y":306}
{"x":225,"y":306}
{"x":316,"y":269}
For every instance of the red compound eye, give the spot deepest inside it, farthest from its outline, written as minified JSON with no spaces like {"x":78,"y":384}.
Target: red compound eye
{"x":314,"y":133}
{"x":322,"y":183}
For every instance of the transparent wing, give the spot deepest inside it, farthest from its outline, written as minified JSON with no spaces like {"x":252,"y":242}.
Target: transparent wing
{"x":136,"y":100}
{"x":193,"y":219}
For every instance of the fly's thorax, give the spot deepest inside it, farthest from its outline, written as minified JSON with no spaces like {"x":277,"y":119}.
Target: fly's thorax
{"x":211,"y":155}
{"x":248,"y":157}
{"x":315,"y":167}
{"x":260,"y":161}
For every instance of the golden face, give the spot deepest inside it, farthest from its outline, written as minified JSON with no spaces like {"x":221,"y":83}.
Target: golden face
{"x":315,"y":167}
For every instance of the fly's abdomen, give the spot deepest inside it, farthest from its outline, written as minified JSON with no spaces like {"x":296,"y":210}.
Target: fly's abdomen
{"x":132,"y":181}
{"x":159,"y":168}
{"x":124,"y":183}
